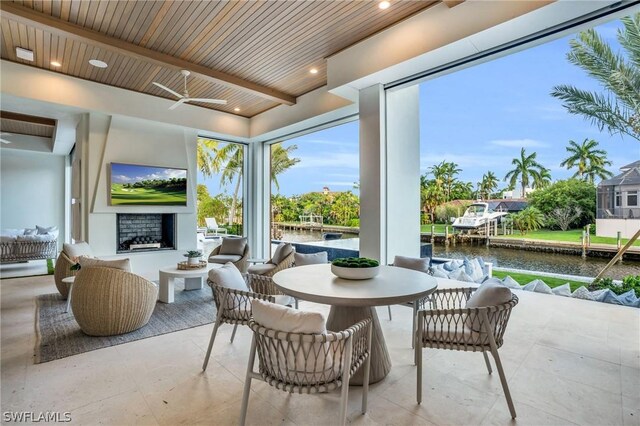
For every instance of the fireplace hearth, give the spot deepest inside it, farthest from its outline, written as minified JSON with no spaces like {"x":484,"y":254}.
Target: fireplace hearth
{"x":145,"y":232}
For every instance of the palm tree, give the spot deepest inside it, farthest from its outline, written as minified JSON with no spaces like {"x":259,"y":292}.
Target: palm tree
{"x":528,"y":170}
{"x":280,"y":161}
{"x":488,"y":185}
{"x":228,"y":161}
{"x":204,"y":155}
{"x":444,"y":174}
{"x":589,"y":161}
{"x":542,"y":179}
{"x":617,"y":109}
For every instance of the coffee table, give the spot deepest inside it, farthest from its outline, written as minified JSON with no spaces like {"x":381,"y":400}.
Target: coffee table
{"x":193,"y":280}
{"x":354,"y":300}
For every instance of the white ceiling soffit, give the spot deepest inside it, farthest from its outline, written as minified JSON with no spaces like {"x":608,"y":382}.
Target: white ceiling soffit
{"x":27,"y":143}
{"x":66,"y":121}
{"x":426,"y":40}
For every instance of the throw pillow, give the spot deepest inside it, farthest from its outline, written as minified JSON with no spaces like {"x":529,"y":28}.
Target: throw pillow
{"x":122,"y":264}
{"x":488,"y":294}
{"x":52,"y":230}
{"x":29,"y":231}
{"x":297,"y":362}
{"x":414,"y":263}
{"x":233,"y":245}
{"x":228,"y":276}
{"x":282,"y":251}
{"x":78,"y":249}
{"x":301,"y":259}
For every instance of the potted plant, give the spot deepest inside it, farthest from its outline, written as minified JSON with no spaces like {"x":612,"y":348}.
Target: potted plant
{"x":355,"y":268}
{"x":193,"y":257}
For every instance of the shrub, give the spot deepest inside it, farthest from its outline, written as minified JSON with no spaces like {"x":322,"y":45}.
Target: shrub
{"x":571,"y":194}
{"x":629,"y":282}
{"x":529,"y":219}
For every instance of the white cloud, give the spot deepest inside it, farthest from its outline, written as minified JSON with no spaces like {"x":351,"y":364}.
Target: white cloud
{"x":335,"y":183}
{"x":329,"y":159}
{"x":519,"y":143}
{"x":121,"y":179}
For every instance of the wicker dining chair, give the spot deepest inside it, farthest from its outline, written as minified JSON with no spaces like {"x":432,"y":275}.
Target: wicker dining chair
{"x":234,"y":306}
{"x":309,"y":363}
{"x":449,"y":325}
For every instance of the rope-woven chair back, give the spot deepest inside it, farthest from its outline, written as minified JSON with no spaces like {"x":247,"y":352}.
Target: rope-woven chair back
{"x":449,"y":325}
{"x":235,"y":305}
{"x":307,"y":363}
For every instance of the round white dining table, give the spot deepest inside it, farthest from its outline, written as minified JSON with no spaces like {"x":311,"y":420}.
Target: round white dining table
{"x":354,"y":300}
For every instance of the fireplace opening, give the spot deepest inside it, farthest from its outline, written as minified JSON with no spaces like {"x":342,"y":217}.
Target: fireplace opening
{"x":145,"y":232}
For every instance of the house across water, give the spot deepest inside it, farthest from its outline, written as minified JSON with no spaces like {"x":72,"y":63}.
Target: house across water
{"x":618,"y":208}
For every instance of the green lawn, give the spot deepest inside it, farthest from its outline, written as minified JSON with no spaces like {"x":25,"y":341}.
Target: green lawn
{"x":571,"y":235}
{"x":439,"y":228}
{"x":523,"y":279}
{"x":143,"y":196}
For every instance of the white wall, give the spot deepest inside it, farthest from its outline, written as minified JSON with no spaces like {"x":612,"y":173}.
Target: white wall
{"x":33,"y":190}
{"x":610,"y":227}
{"x":130,"y":140}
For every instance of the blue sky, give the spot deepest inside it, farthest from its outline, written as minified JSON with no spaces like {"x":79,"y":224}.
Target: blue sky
{"x":479,"y":118}
{"x":129,"y":173}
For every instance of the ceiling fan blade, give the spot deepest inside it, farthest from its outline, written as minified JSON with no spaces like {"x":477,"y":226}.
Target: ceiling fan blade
{"x":177,"y":104}
{"x":173,"y":92}
{"x":208,"y":101}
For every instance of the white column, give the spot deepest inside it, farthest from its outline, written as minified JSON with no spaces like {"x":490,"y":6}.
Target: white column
{"x":256,"y":215}
{"x":389,"y":173}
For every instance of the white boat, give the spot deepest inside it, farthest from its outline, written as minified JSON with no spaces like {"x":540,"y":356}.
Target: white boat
{"x":477,"y":215}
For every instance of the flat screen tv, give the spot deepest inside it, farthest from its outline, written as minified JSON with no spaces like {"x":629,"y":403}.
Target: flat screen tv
{"x":137,"y":185}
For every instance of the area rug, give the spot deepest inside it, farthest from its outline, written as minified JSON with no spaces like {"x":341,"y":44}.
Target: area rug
{"x":59,"y":336}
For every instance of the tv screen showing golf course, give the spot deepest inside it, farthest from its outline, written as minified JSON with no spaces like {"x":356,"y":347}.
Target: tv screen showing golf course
{"x":147,"y":185}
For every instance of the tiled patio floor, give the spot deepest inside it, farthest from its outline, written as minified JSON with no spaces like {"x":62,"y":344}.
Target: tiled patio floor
{"x":567,"y":361}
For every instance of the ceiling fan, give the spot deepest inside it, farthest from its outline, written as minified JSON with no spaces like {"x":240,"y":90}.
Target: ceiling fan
{"x":185,"y":97}
{"x":2,"y":137}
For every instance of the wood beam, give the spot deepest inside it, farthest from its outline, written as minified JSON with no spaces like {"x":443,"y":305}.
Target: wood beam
{"x":452,"y":3}
{"x":27,"y":118}
{"x":67,"y":29}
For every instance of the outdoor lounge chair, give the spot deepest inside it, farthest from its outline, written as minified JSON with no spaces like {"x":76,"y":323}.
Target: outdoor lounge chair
{"x":212,"y":225}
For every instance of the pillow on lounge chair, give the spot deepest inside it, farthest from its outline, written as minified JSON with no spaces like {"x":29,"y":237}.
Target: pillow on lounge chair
{"x":122,"y":264}
{"x":282,"y":251}
{"x":51,"y":230}
{"x":232,"y":245}
{"x":302,"y":259}
{"x":77,"y":250}
{"x":414,"y":263}
{"x":229,"y":276}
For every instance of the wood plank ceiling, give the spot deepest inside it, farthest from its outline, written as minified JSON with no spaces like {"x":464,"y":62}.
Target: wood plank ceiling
{"x":269,"y":43}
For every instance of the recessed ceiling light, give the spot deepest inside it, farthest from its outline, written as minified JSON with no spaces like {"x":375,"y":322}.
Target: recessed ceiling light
{"x":98,"y":63}
{"x":56,"y":64}
{"x":236,"y":109}
{"x":313,"y":71}
{"x":384,"y":5}
{"x":24,"y":54}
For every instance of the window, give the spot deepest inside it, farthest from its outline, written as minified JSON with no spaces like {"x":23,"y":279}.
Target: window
{"x":632,"y":198}
{"x":220,"y":187}
{"x":618,"y":197}
{"x":314,"y":186}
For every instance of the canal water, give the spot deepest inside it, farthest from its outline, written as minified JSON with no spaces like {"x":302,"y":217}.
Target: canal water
{"x":510,"y":258}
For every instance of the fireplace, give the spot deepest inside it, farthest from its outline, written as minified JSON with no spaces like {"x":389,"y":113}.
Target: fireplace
{"x":145,"y":232}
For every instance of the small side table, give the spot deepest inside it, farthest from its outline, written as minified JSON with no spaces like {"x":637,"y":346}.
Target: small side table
{"x":69,"y":282}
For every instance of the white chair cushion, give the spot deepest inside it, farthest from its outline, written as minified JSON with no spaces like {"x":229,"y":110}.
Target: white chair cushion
{"x":12,"y":232}
{"x":77,"y":250}
{"x":224,"y":258}
{"x":294,"y":362}
{"x":36,"y":238}
{"x":233,"y":245}
{"x":301,"y":259}
{"x":29,"y":231}
{"x":282,"y":251}
{"x":122,"y":264}
{"x":488,"y":294}
{"x":8,"y":238}
{"x":415,"y":263}
{"x":261,"y":268}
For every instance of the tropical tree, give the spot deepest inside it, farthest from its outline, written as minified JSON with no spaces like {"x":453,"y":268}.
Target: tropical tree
{"x":529,"y":219}
{"x":589,"y":161}
{"x":617,"y":108}
{"x":205,"y":149}
{"x":528,"y":170}
{"x":431,"y":195}
{"x":542,"y":179}
{"x":488,"y":185}
{"x":445,"y":174}
{"x":280,"y":161}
